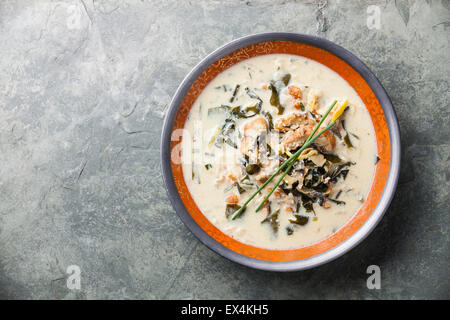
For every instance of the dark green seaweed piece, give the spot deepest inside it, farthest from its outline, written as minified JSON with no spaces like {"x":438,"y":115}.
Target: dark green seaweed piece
{"x":226,"y":130}
{"x":314,"y":178}
{"x":332,"y":157}
{"x":237,"y":111}
{"x":285,"y":188}
{"x":208,"y":166}
{"x":339,"y":170}
{"x":269,"y":149}
{"x":286,"y":78}
{"x":231,"y":208}
{"x":344,"y":173}
{"x":275,"y":99}
{"x":347,"y":141}
{"x":309,"y":164}
{"x":321,"y":187}
{"x":308,"y":206}
{"x":298,"y":206}
{"x":248,"y":112}
{"x":245,"y":160}
{"x":307,"y":203}
{"x":236,"y":89}
{"x":289,"y":230}
{"x":240,"y":189}
{"x":311,"y":193}
{"x":253,"y":95}
{"x":252,"y":168}
{"x":321,"y":170}
{"x":272,"y":218}
{"x":253,"y":110}
{"x":300,"y":220}
{"x":338,"y":202}
{"x":315,"y":175}
{"x":302,"y":106}
{"x":269,"y":119}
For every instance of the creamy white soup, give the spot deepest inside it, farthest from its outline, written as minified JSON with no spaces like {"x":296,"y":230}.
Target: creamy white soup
{"x":248,"y":122}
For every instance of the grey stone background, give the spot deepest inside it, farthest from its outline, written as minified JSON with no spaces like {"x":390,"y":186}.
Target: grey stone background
{"x":83,"y":90}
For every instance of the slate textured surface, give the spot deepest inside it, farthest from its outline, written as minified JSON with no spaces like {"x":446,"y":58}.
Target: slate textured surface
{"x":83,"y":90}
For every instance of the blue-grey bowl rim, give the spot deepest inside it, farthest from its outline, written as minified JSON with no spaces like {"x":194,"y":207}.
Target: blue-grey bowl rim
{"x":378,"y":212}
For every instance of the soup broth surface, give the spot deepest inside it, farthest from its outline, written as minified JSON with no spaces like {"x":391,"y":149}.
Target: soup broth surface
{"x":271,"y":88}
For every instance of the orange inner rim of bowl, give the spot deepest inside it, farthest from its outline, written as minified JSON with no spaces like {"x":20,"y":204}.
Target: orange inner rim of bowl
{"x":378,"y":120}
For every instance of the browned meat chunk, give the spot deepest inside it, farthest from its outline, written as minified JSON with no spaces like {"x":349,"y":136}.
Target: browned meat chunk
{"x":232,"y":199}
{"x":295,"y":92}
{"x":297,"y":104}
{"x":258,"y":125}
{"x":292,"y":121}
{"x":295,"y":139}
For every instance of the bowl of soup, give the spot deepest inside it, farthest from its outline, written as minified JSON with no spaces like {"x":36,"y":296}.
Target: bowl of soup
{"x":234,"y":127}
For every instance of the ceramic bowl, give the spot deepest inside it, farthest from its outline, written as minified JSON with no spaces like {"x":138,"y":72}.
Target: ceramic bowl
{"x":384,"y":120}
